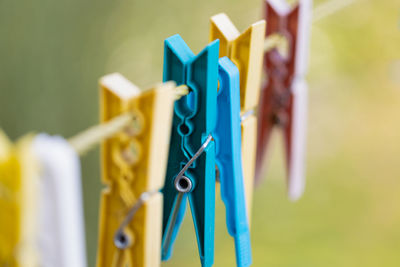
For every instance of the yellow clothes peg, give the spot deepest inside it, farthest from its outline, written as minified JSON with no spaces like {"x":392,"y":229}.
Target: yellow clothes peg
{"x":246,"y":51}
{"x":134,"y":162}
{"x":18,"y":184}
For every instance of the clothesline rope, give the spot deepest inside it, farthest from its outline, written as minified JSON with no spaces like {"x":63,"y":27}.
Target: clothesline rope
{"x":87,"y":139}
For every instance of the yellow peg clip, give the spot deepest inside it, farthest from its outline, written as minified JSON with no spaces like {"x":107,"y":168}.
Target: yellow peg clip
{"x":246,"y":51}
{"x":18,"y":184}
{"x":133,"y":167}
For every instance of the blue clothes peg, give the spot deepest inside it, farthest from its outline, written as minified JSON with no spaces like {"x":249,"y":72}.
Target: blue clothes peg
{"x":193,"y":122}
{"x":227,"y":137}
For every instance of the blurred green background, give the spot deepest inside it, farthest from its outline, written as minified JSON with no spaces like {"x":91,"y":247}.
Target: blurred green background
{"x":53,"y":52}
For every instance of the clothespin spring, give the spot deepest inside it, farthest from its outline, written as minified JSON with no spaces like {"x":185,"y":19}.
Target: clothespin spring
{"x":183,"y":185}
{"x":121,"y":239}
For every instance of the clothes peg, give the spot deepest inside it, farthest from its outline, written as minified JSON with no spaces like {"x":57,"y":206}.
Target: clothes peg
{"x":18,"y":203}
{"x":245,"y":50}
{"x":283,"y":101}
{"x":191,"y":174}
{"x":191,"y":162}
{"x":229,"y":159}
{"x":133,"y":166}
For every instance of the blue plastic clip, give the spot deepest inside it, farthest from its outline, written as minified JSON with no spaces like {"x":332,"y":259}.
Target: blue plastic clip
{"x":227,"y":137}
{"x":194,"y":120}
{"x":195,"y":117}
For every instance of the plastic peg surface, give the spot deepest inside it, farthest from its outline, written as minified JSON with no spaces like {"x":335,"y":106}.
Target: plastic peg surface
{"x":229,"y":159}
{"x":284,"y":91}
{"x":194,"y":120}
{"x":133,"y":163}
{"x":19,"y":183}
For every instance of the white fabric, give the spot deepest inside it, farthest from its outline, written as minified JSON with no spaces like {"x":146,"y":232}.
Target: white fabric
{"x":61,"y":236}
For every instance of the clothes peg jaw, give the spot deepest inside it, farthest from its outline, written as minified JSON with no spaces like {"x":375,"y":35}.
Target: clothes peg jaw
{"x":282,"y":97}
{"x":193,"y":122}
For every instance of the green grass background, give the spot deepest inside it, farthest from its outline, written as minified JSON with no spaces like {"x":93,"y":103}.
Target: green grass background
{"x":53,"y":52}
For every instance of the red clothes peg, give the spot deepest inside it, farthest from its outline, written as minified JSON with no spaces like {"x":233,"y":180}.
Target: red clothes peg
{"x":283,"y":100}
